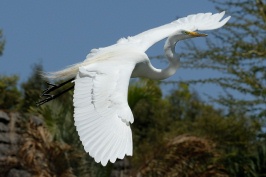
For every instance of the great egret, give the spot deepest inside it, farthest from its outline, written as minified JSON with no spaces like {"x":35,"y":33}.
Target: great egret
{"x":101,"y":112}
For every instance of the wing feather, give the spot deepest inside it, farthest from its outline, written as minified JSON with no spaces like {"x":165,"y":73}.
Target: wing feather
{"x":98,"y":155}
{"x":122,"y":150}
{"x":115,"y":151}
{"x":218,"y":16}
{"x":129,"y":144}
{"x":108,"y":147}
{"x":99,"y":144}
{"x":101,"y":111}
{"x":106,"y":141}
{"x":200,"y":21}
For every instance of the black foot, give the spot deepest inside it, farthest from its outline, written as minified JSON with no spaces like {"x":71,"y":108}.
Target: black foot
{"x":53,"y":87}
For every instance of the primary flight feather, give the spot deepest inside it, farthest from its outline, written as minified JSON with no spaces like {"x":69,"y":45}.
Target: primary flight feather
{"x":101,"y":112}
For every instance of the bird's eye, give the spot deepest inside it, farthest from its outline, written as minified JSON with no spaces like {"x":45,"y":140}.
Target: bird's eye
{"x":185,"y":32}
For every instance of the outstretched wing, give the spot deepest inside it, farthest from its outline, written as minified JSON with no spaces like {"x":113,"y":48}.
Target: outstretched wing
{"x":200,"y":21}
{"x":101,"y":111}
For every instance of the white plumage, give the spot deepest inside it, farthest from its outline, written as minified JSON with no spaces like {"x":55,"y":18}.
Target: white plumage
{"x":101,"y":112}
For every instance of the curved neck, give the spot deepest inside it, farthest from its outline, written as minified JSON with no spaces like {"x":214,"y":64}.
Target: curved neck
{"x":173,"y":59}
{"x":169,"y":51}
{"x":145,"y":69}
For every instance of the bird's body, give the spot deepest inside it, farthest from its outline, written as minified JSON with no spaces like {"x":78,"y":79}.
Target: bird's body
{"x":101,"y":112}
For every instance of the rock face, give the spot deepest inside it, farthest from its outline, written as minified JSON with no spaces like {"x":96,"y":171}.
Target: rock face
{"x":10,"y":135}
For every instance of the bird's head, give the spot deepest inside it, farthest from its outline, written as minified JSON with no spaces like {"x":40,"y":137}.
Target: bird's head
{"x":181,"y":35}
{"x":169,"y":46}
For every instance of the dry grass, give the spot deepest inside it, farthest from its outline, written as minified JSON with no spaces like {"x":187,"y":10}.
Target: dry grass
{"x":184,"y":156}
{"x":42,"y":156}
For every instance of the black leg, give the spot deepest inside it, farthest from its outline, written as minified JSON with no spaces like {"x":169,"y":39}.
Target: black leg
{"x":53,"y":87}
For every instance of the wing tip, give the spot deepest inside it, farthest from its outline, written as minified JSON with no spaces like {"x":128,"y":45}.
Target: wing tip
{"x":226,"y":19}
{"x":215,"y":23}
{"x":223,"y":22}
{"x":121,"y":146}
{"x":222,"y":13}
{"x":104,"y":163}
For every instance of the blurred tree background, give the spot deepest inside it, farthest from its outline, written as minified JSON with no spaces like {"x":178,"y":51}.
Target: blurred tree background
{"x":177,"y":134}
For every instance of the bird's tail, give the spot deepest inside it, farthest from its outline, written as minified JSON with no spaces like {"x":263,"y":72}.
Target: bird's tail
{"x":67,"y":73}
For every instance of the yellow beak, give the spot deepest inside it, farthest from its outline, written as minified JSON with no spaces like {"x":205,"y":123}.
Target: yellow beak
{"x":196,"y":34}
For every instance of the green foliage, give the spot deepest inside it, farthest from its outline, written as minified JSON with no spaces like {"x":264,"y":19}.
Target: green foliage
{"x":143,"y":90}
{"x":158,"y":122}
{"x":259,"y":158}
{"x":234,"y":134}
{"x":32,"y":88}
{"x":184,"y":103}
{"x":10,"y":95}
{"x":238,"y":53}
{"x":150,"y":118}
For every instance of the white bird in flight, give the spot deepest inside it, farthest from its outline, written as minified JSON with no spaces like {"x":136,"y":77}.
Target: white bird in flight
{"x":101,"y":112}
